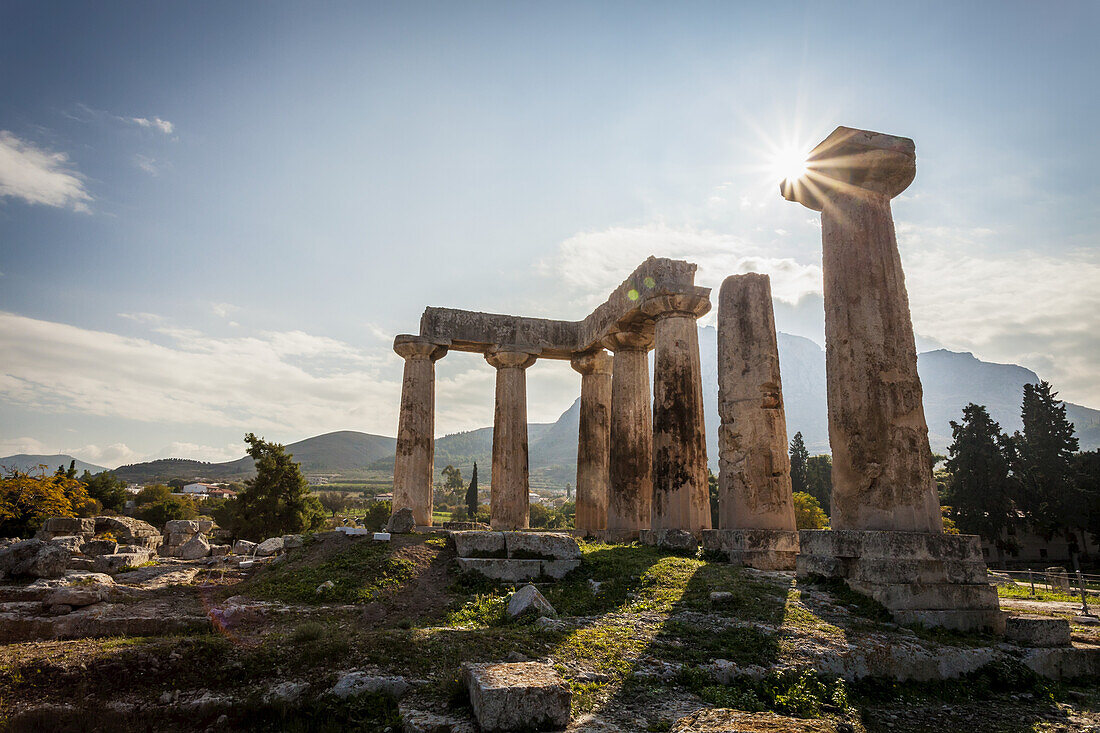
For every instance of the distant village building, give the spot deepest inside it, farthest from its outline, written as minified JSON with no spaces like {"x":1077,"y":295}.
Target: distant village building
{"x":1033,"y":550}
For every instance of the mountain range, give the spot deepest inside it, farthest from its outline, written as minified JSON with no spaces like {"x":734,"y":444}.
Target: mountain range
{"x":950,"y":379}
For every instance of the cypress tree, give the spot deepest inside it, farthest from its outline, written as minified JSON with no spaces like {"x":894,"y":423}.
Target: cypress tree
{"x":799,"y":459}
{"x":978,"y":487}
{"x":1043,"y":463}
{"x":471,"y":495}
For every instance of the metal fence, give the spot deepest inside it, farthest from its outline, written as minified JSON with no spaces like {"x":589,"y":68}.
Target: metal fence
{"x":1058,"y":580}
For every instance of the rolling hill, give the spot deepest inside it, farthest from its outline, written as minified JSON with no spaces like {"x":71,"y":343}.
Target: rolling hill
{"x":28,"y":463}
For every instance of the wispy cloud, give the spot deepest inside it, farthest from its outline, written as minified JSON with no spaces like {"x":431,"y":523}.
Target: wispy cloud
{"x":39,"y":176}
{"x":155,"y":123}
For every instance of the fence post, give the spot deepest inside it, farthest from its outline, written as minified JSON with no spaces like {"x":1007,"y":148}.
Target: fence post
{"x":1031,"y":579}
{"x":1081,"y":587}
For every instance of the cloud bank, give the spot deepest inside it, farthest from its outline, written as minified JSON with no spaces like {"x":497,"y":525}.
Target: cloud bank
{"x":39,"y":176}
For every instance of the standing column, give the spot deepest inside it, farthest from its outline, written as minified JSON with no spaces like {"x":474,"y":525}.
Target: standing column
{"x":882,"y":464}
{"x":630,"y":472}
{"x":509,"y":497}
{"x":681,"y":498}
{"x":412,"y":468}
{"x":593,"y":440}
{"x":754,"y":480}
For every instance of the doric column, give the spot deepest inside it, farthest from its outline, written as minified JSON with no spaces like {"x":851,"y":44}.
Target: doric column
{"x":412,"y":468}
{"x":882,"y":467}
{"x":593,"y":440}
{"x":754,"y":479}
{"x":630,"y":473}
{"x":509,"y":502}
{"x":680,"y":494}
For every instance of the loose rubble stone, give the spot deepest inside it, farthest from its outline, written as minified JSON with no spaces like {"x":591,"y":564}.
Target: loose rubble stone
{"x":401,"y":522}
{"x":327,"y":585}
{"x":360,"y":683}
{"x":181,"y":526}
{"x":121,"y":561}
{"x":194,"y":548}
{"x":34,"y":558}
{"x":243,"y":547}
{"x":528,"y":599}
{"x":288,"y":691}
{"x":269,"y":547}
{"x":517,"y":696}
{"x":100,"y":547}
{"x":70,"y":543}
{"x":1038,"y":631}
{"x":219,"y":550}
{"x":292,"y":541}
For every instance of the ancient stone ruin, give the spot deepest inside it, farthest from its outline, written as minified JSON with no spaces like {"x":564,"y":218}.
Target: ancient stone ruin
{"x":640,"y":465}
{"x":887,"y":538}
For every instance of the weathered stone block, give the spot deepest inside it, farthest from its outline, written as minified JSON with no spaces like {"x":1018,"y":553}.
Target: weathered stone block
{"x":518,"y":696}
{"x":1040,"y":631}
{"x":543,"y":545}
{"x":677,"y":540}
{"x":764,"y":559}
{"x":958,"y":619}
{"x":121,"y":561}
{"x":527,"y":599}
{"x":34,"y":558}
{"x":243,"y":547}
{"x":504,"y":569}
{"x":292,"y":541}
{"x":100,"y":547}
{"x":57,"y":526}
{"x":194,"y":548}
{"x":181,"y":527}
{"x":750,"y":539}
{"x":70,"y":543}
{"x":479,"y":544}
{"x":558,"y":569}
{"x":268,"y":547}
{"x":401,"y":522}
{"x":129,"y":531}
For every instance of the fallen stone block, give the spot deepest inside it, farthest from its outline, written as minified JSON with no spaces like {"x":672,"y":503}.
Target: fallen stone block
{"x":528,"y":600}
{"x":1038,"y":631}
{"x":504,"y":569}
{"x":243,"y":547}
{"x":558,"y":569}
{"x":361,"y":683}
{"x":517,"y":696}
{"x":58,"y":526}
{"x":292,"y":541}
{"x":479,"y":544}
{"x":401,"y":522}
{"x":219,"y":550}
{"x":181,"y":527}
{"x":120,"y":561}
{"x":35,"y":559}
{"x":541,"y":545}
{"x":129,"y":531}
{"x":677,"y":540}
{"x":100,"y":547}
{"x":70,"y":543}
{"x":78,"y":595}
{"x":269,"y":547}
{"x":195,"y":548}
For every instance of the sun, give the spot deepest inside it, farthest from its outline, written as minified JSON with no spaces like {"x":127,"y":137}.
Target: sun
{"x":789,"y":163}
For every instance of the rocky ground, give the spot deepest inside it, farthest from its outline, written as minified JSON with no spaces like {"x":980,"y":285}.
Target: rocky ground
{"x":648,"y":641}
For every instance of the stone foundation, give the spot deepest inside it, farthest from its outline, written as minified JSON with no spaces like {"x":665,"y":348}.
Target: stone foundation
{"x":763,"y":549}
{"x":929,"y":578}
{"x":515,"y":557}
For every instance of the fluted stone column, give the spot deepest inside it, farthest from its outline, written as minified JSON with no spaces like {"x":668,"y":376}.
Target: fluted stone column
{"x":680,"y":494}
{"x":882,"y":467}
{"x":593,"y":440}
{"x":412,"y":468}
{"x":754,"y":480}
{"x":509,"y":502}
{"x":630,"y":474}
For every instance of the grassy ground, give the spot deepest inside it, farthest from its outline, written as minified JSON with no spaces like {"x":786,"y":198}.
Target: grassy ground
{"x":639,"y":630}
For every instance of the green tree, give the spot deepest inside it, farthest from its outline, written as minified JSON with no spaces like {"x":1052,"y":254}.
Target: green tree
{"x":799,"y":458}
{"x":1042,"y":463}
{"x":978,"y":484}
{"x":808,"y":514}
{"x":712,"y":494}
{"x":377,"y":514}
{"x":819,"y":480}
{"x":334,"y":501}
{"x":1087,"y":467}
{"x":277,"y":500}
{"x":27,"y":500}
{"x":152,"y":494}
{"x":163,"y":510}
{"x":471,"y":495}
{"x":107,"y":489}
{"x":452,"y":479}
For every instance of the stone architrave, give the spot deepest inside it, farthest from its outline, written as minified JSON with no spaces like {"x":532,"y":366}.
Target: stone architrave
{"x":630,"y":473}
{"x":681,"y":498}
{"x":754,"y":480}
{"x":509,"y":501}
{"x":593,"y":440}
{"x":882,"y":463}
{"x":412,"y":468}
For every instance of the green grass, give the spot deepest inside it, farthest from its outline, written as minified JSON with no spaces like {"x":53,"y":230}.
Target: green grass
{"x":1041,"y":594}
{"x":361,"y":572}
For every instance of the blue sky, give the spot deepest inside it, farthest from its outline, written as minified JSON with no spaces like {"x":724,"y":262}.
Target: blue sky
{"x":215,"y":216}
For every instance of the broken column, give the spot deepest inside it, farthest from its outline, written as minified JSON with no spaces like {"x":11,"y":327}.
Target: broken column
{"x":890,"y":542}
{"x":593,"y":440}
{"x":630,"y":474}
{"x":509,"y":499}
{"x":681,"y":499}
{"x":756,"y":512}
{"x":412,"y":468}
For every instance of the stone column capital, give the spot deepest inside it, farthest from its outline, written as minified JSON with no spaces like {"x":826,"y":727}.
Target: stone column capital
{"x":628,"y":341}
{"x":510,"y":358}
{"x":594,"y":362}
{"x":691,"y":305}
{"x":418,"y":347}
{"x":854,"y":163}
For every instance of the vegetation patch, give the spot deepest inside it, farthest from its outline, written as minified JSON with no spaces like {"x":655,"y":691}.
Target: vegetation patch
{"x":361,"y":572}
